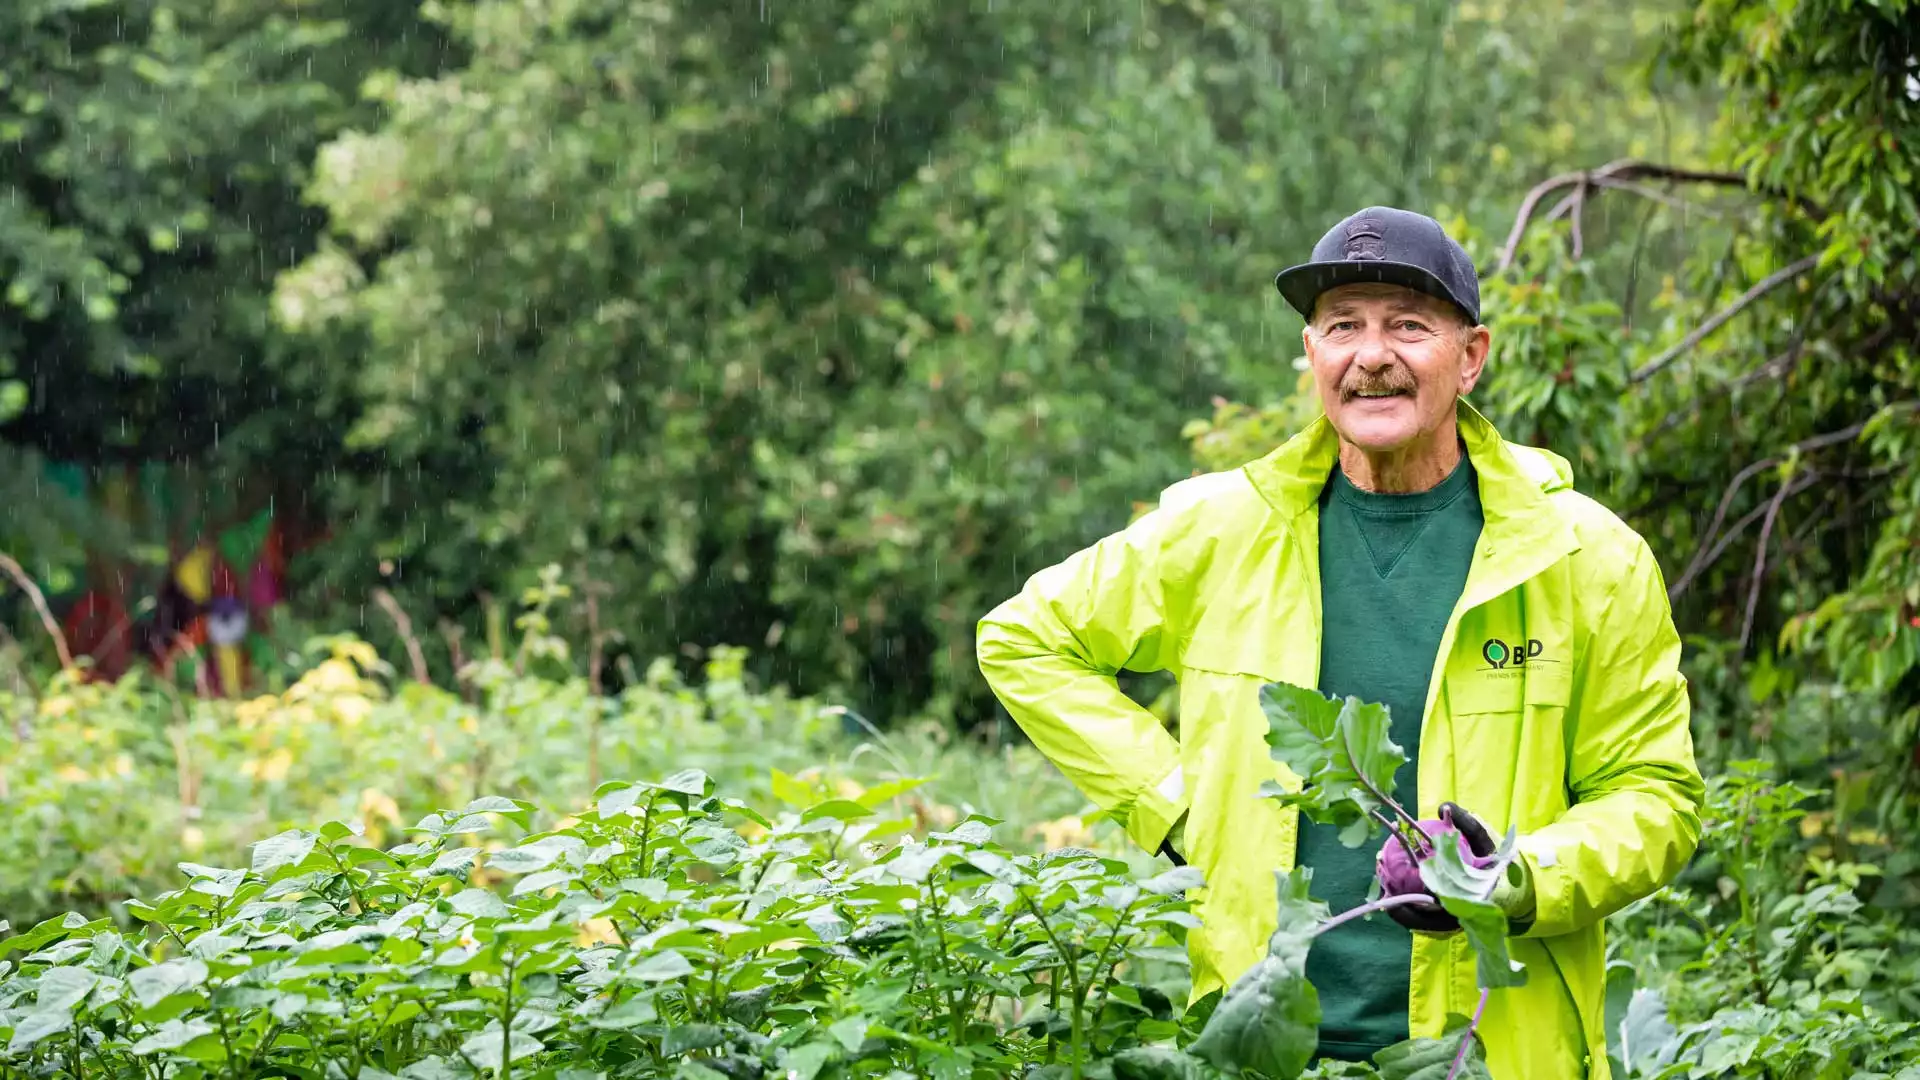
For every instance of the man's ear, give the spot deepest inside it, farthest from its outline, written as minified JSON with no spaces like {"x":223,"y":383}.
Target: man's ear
{"x":1479,"y":343}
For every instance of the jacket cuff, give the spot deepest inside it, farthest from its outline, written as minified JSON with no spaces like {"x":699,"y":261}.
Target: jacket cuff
{"x":1157,"y":809}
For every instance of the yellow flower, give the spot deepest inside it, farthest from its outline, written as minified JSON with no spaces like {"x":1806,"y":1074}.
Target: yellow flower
{"x":255,"y":710}
{"x":73,"y":774}
{"x":376,"y":805}
{"x":352,"y":709}
{"x":596,"y":932}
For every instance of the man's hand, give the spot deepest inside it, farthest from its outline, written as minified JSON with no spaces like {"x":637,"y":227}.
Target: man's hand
{"x":1399,"y":875}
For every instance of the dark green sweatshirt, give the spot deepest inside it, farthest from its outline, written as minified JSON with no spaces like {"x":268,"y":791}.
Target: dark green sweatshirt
{"x":1391,"y":569}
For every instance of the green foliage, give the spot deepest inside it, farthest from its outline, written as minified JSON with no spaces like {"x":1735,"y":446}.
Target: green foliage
{"x":1779,"y":961}
{"x":103,"y":787}
{"x":665,"y":931}
{"x":151,"y":157}
{"x":843,"y":412}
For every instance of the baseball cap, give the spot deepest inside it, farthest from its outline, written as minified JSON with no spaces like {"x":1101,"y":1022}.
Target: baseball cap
{"x":1384,"y":244}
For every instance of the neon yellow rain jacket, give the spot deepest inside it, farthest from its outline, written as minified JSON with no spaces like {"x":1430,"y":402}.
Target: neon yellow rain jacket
{"x":1557,"y":707}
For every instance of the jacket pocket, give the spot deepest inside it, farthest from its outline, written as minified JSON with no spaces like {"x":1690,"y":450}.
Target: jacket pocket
{"x":1538,"y":685}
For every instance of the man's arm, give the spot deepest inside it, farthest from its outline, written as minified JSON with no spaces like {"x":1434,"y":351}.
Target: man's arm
{"x":1050,"y":654}
{"x":1635,"y":819}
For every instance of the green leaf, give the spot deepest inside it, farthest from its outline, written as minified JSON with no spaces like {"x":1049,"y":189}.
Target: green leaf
{"x":284,"y":849}
{"x":545,"y":879}
{"x":1648,"y":1041}
{"x":850,"y":1032}
{"x":1431,"y":1059}
{"x":972,"y":833}
{"x":1459,"y":885}
{"x":806,"y":1062}
{"x":837,"y":809}
{"x":630,"y":1013}
{"x":173,"y":1035}
{"x":747,"y":1007}
{"x":152,"y":985}
{"x":1299,"y":916}
{"x":486,"y":1049}
{"x":1154,"y":1063}
{"x":693,"y":782}
{"x":684,"y":1038}
{"x":619,"y":801}
{"x":1268,"y":1022}
{"x":915,"y":863}
{"x":38,"y":1025}
{"x":658,"y":967}
{"x":880,"y":793}
{"x":63,"y":987}
{"x":455,"y":861}
{"x":478,"y":903}
{"x":1337,"y":748}
{"x":49,"y":930}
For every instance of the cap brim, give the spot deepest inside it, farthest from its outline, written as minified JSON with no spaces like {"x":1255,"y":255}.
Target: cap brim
{"x":1303,"y":284}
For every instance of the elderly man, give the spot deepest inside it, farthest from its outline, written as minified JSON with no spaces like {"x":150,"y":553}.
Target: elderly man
{"x":1401,"y":551}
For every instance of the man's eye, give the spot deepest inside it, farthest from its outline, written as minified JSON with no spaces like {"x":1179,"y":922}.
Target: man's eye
{"x":1411,"y":324}
{"x":1343,"y":324}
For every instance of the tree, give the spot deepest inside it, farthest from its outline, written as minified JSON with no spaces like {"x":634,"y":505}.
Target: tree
{"x":819,"y":331}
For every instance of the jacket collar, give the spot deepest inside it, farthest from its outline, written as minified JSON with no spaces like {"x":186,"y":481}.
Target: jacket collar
{"x":1515,"y":482}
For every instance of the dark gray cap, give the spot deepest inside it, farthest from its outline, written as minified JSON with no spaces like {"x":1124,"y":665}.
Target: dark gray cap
{"x":1382,"y":244}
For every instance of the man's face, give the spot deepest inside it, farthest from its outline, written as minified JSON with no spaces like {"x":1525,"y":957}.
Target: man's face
{"x":1389,"y":362}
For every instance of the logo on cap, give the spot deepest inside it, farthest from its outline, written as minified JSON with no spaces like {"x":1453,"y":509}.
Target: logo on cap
{"x":1364,"y":240}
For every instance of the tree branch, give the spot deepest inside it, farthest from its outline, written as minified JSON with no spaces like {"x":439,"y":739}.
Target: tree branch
{"x":1761,"y":288}
{"x":1760,"y":562}
{"x":1617,"y":175}
{"x":39,"y":600}
{"x":405,"y":626}
{"x":1709,"y":549}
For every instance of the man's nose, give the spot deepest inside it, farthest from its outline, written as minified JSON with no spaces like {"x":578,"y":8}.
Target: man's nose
{"x":1372,"y":352}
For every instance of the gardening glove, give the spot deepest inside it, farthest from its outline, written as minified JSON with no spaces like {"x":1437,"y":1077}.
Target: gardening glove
{"x":1399,"y":874}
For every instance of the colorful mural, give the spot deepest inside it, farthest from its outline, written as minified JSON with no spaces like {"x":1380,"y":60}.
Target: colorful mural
{"x":180,"y":572}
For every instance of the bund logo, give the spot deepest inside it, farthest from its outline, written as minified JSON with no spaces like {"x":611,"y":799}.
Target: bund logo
{"x":1504,"y":654}
{"x":1365,"y":242}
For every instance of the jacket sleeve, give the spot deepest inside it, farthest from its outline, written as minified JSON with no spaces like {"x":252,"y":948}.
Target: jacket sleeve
{"x":1635,"y":818}
{"x":1051,"y":653}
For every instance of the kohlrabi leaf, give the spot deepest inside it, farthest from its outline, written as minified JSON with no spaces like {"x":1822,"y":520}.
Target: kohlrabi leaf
{"x":1432,"y":1059}
{"x":1268,"y":1022}
{"x":1341,"y":751}
{"x":1648,"y":1042}
{"x":1300,"y":914}
{"x":1464,"y":890}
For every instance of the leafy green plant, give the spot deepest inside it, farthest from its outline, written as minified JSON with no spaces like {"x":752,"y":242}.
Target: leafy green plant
{"x":666,"y":931}
{"x":1781,"y":966}
{"x":105,"y":786}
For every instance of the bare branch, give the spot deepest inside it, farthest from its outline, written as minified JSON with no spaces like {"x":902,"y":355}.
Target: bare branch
{"x":1617,"y":175}
{"x":1711,"y":546}
{"x":39,"y":599}
{"x":1760,"y":288}
{"x":405,"y":626}
{"x":1760,"y":562}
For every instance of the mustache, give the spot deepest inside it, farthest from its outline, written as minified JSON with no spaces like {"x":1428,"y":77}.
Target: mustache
{"x":1395,"y":381}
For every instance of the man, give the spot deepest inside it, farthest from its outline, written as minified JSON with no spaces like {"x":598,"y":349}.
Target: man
{"x":1398,"y":550}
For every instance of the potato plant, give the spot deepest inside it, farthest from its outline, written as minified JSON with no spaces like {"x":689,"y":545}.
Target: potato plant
{"x":667,"y":930}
